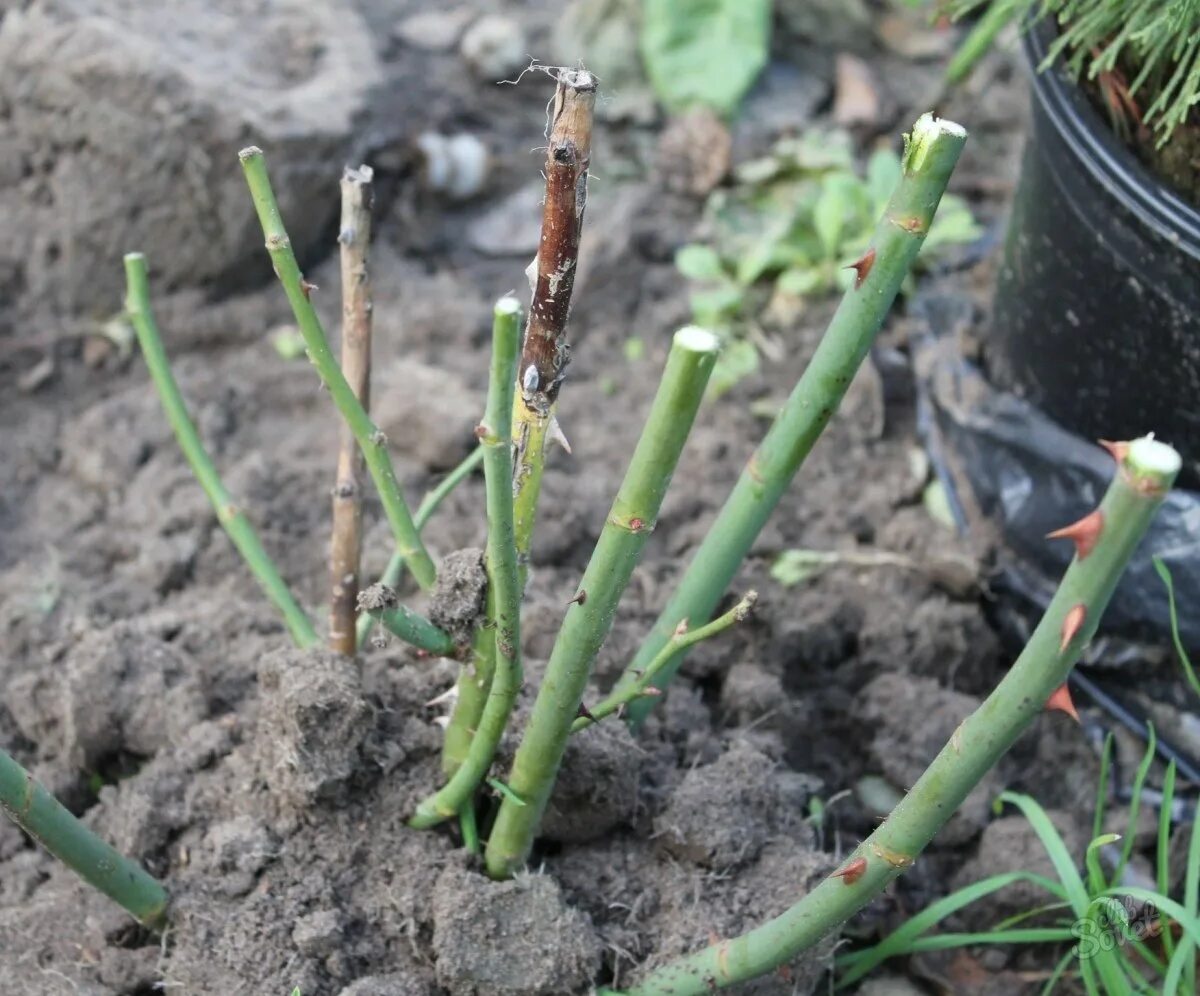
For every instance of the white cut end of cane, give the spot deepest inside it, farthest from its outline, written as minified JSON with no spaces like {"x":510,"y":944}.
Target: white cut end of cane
{"x":1150,"y":456}
{"x":508,"y":305}
{"x":697,"y":340}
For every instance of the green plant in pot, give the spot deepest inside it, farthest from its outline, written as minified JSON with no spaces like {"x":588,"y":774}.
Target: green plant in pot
{"x":1098,"y":300}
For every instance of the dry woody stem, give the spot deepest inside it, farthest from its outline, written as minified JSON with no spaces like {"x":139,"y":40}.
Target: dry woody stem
{"x":346,"y":542}
{"x":545,"y":351}
{"x":1145,"y":472}
{"x":370,"y":440}
{"x":232,"y":519}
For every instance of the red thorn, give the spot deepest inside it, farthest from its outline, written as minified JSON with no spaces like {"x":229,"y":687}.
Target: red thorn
{"x":852,"y":872}
{"x":862,"y":267}
{"x":1072,"y":623}
{"x":1118,"y":451}
{"x":1060,"y":701}
{"x":1083,"y":533}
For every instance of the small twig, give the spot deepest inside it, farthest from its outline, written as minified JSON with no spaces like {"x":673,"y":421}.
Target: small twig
{"x":232,"y":519}
{"x":429,"y":504}
{"x":371,"y":441}
{"x":380,"y":602}
{"x":681,"y":640}
{"x":47,"y":821}
{"x":346,"y":542}
{"x":503,"y":628}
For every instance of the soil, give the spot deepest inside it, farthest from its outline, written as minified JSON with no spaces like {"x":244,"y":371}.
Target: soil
{"x":148,"y":682}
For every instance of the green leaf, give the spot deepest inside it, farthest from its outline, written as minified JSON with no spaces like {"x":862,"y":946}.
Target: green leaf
{"x":716,"y":307}
{"x":699,"y":262}
{"x":883,"y":173}
{"x":792,"y":567}
{"x":901,"y":940}
{"x":504,"y":790}
{"x":288,"y":342}
{"x":706,"y":52}
{"x":937,"y":503}
{"x":801,"y":281}
{"x":1185,"y":661}
{"x":635,"y":349}
{"x":736,"y":360}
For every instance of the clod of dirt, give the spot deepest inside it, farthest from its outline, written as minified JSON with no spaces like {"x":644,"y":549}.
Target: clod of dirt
{"x":516,"y":938}
{"x":236,"y":850}
{"x":313,"y":723}
{"x":722,"y":815}
{"x":317,"y":934}
{"x":76,"y":183}
{"x":457,"y":602}
{"x":375,"y":597}
{"x":387,"y":985}
{"x":120,"y":690}
{"x":1010,"y":844}
{"x":912,"y":719}
{"x":427,"y":413}
{"x":597,"y":784}
{"x":495,"y":48}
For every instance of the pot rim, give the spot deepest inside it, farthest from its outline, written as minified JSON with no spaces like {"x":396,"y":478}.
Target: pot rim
{"x":1110,"y":163}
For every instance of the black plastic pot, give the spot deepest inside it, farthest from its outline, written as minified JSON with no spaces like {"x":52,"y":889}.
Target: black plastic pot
{"x":1097,"y":312}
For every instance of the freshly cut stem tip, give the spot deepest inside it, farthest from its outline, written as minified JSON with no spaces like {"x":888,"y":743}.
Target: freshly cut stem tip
{"x":932,"y":151}
{"x":346,"y":541}
{"x":503,"y":628}
{"x":429,"y":504}
{"x":681,"y":640}
{"x":370,"y":439}
{"x":1137,"y":490}
{"x":232,"y":519}
{"x":588,"y":622}
{"x":47,"y":821}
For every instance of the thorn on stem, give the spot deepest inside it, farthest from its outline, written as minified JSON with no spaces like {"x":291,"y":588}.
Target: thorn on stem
{"x":579,"y":599}
{"x":307,"y":288}
{"x":852,"y":872}
{"x":1118,"y":451}
{"x":1060,"y":701}
{"x":862,"y":267}
{"x":681,"y":628}
{"x":1083,"y":533}
{"x":585,"y":713}
{"x":1072,"y":623}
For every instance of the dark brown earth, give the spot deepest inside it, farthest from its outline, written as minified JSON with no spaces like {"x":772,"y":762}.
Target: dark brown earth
{"x":147,"y":681}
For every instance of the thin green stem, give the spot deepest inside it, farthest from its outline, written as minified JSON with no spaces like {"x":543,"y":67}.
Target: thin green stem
{"x":415,"y":629}
{"x":47,"y":821}
{"x":681,"y":640}
{"x":504,"y":591}
{"x":471,"y":695}
{"x":590,"y":615}
{"x":371,"y":441}
{"x":931,"y":154}
{"x":1145,"y":473}
{"x":429,"y":504}
{"x":232,"y":519}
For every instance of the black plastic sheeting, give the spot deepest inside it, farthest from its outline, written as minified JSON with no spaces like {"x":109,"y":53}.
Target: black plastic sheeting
{"x":1029,"y":476}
